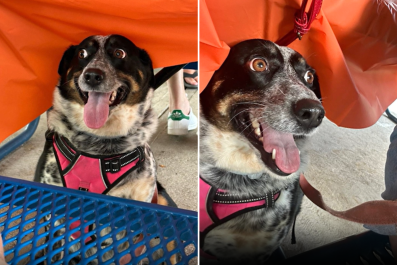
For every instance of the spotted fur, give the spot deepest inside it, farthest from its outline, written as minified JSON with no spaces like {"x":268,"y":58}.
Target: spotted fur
{"x":130,"y":124}
{"x":229,"y":160}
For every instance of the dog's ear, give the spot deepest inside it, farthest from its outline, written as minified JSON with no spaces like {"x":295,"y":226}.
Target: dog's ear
{"x":144,"y":57}
{"x":147,"y":62}
{"x":316,"y":86}
{"x":66,"y":59}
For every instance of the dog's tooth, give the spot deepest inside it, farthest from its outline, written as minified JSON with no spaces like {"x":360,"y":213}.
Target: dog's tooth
{"x":112,"y":97}
{"x":299,"y":152}
{"x":261,"y":139}
{"x":258,"y":131}
{"x":274,"y":154}
{"x":255,"y":124}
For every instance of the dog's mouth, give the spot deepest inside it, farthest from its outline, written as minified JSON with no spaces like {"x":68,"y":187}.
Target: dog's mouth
{"x":97,"y":105}
{"x":278,"y":149}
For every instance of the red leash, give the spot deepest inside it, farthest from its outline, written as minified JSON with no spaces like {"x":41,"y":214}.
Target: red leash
{"x":303,"y":21}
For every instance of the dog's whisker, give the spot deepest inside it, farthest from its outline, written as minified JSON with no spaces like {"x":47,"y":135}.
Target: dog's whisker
{"x":249,"y":125}
{"x":72,"y":80}
{"x":245,"y":129}
{"x":249,"y":132}
{"x":310,"y":55}
{"x":239,"y":103}
{"x":236,"y":115}
{"x":281,"y":91}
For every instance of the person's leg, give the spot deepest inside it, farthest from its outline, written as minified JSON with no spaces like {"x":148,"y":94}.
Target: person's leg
{"x":181,"y":118}
{"x":176,"y":89}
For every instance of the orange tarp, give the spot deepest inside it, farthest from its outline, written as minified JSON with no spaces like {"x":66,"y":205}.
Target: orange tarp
{"x":35,"y":33}
{"x":352,"y":45}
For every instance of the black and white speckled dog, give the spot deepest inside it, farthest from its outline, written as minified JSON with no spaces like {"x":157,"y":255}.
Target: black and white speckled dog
{"x":256,"y":114}
{"x":102,"y":113}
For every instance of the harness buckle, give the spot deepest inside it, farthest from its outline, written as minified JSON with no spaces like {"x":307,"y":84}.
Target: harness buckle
{"x":115,"y":165}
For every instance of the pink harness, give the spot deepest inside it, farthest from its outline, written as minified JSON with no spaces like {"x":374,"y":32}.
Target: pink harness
{"x":218,"y":206}
{"x":91,"y":173}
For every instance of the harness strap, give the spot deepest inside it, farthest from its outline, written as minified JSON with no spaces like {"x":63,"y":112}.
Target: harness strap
{"x":112,"y":164}
{"x":106,"y":171}
{"x":293,"y":238}
{"x":219,"y":207}
{"x":371,"y":213}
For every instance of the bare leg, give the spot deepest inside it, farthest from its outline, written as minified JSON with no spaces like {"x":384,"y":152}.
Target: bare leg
{"x":176,"y":88}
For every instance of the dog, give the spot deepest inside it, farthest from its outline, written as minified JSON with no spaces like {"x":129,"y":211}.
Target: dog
{"x":257,"y":112}
{"x":101,"y":121}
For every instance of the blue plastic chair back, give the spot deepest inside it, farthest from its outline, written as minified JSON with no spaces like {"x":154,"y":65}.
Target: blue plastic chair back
{"x":25,"y":205}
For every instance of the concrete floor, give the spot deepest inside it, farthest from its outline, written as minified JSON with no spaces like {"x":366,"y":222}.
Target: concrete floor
{"x":176,"y":155}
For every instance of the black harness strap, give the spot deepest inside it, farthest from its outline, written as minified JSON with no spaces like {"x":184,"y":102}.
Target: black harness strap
{"x":165,"y":73}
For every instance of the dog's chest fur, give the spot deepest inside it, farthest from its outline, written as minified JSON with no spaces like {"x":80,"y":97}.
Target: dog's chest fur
{"x":137,"y":185}
{"x":253,"y":236}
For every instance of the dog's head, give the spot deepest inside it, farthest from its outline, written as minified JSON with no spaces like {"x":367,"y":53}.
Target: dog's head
{"x":268,"y":95}
{"x":104,"y":75}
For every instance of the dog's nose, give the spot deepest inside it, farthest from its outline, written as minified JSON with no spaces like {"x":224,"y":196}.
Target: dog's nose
{"x":309,"y":113}
{"x":93,"y":76}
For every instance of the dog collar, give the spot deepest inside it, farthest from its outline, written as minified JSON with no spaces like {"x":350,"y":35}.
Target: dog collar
{"x":218,"y":206}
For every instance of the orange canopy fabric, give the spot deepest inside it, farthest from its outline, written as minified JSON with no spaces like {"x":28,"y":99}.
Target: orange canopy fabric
{"x":352,"y":45}
{"x":35,"y":33}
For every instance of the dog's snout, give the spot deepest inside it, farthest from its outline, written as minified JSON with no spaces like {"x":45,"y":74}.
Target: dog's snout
{"x":309,"y":113}
{"x":93,"y":76}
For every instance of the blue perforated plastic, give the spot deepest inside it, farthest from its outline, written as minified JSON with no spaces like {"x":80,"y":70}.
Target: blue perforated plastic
{"x":169,"y":234}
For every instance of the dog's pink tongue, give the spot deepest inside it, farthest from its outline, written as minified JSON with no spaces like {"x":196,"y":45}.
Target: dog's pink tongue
{"x":287,"y":154}
{"x":96,"y":111}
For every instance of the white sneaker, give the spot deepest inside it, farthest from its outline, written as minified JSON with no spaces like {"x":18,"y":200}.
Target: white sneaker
{"x":180,"y":124}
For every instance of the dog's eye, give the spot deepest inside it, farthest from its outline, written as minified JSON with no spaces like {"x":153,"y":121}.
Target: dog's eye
{"x":258,"y":65}
{"x":119,"y":53}
{"x":309,"y":77}
{"x":83,"y":54}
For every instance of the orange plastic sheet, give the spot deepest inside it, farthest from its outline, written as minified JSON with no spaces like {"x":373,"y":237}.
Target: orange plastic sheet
{"x":352,"y":45}
{"x":35,"y":33}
